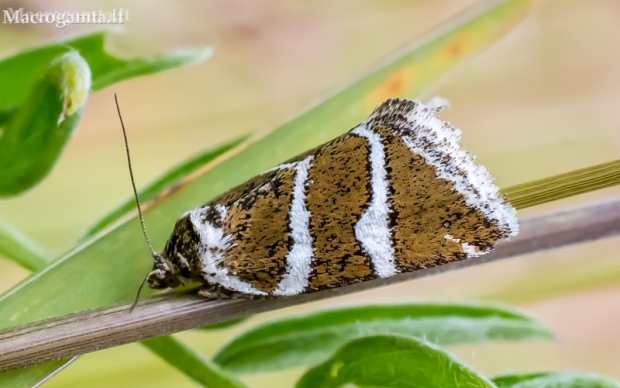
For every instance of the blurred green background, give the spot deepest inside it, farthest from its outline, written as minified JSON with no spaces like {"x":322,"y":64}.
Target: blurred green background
{"x":541,"y":101}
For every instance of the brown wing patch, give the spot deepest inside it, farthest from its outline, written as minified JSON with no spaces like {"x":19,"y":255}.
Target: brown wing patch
{"x":258,"y":220}
{"x":337,"y":196}
{"x":426,"y":209}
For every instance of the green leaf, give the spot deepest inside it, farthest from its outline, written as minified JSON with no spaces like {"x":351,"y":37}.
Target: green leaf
{"x":18,"y":74}
{"x":191,"y":363}
{"x":312,"y":339}
{"x":555,"y":380}
{"x":395,"y":362}
{"x":16,"y":246}
{"x":39,"y":129}
{"x":108,"y":270}
{"x":164,"y":182}
{"x":41,"y":104}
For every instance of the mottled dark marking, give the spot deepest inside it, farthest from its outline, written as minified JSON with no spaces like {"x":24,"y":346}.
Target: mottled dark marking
{"x":184,"y":241}
{"x":258,"y":220}
{"x":426,"y":208}
{"x":232,"y":195}
{"x":336,"y":198}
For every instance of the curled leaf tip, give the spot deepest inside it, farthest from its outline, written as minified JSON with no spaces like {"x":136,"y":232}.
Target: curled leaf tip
{"x":75,"y":81}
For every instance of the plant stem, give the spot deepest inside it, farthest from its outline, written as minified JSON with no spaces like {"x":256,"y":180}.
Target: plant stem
{"x":88,"y":331}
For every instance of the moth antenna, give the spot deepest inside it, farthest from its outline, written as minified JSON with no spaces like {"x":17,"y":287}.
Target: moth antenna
{"x":135,"y":193}
{"x":135,"y":301}
{"x":133,"y":183}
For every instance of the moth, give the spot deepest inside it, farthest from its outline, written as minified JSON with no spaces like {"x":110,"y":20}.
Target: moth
{"x":394,"y":194}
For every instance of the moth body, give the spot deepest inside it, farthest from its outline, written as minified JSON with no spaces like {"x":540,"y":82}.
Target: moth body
{"x":394,"y":194}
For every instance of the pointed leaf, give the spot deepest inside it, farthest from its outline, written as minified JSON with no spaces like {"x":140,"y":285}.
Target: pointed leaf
{"x":396,"y":362}
{"x":312,"y":339}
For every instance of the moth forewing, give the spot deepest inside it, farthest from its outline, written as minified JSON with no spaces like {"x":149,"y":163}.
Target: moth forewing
{"x":394,"y":194}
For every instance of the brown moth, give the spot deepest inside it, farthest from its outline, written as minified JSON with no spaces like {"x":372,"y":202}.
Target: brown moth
{"x":394,"y":194}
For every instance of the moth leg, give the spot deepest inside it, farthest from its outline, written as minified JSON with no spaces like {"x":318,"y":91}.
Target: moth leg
{"x":216,"y":292}
{"x":208,"y":293}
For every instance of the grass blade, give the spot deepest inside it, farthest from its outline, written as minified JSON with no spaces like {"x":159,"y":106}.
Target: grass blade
{"x":16,"y":246}
{"x":123,"y":248}
{"x":564,"y":185}
{"x":312,"y":339}
{"x":111,"y":267}
{"x":555,"y":380}
{"x":390,"y":361}
{"x":112,"y":326}
{"x":191,"y":363}
{"x":167,"y":182}
{"x":38,"y":131}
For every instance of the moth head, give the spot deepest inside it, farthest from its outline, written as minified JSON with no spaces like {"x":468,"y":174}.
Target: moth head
{"x":164,"y":274}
